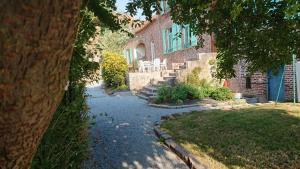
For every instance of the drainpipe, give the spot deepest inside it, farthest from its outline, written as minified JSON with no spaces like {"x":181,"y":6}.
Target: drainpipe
{"x":294,"y":78}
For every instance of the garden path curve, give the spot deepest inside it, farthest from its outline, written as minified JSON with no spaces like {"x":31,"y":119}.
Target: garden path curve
{"x":122,"y":135}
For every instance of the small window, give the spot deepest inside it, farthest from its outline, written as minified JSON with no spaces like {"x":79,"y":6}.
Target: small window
{"x":248,"y":82}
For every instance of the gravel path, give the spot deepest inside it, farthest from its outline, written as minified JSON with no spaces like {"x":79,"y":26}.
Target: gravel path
{"x":122,"y":135}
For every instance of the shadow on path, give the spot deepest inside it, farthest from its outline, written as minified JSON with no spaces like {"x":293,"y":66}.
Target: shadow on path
{"x":122,"y":135}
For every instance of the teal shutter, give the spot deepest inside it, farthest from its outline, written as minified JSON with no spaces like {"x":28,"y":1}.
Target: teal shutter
{"x":164,"y":41}
{"x":179,"y":37}
{"x":186,"y":36}
{"x":194,"y":39}
{"x":175,"y":37}
{"x":170,"y":41}
{"x":162,"y":6}
{"x":167,"y":7}
{"x":130,"y":56}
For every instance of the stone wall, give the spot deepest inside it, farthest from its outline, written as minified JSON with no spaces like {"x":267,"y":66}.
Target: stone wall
{"x":203,"y":62}
{"x":136,"y":81}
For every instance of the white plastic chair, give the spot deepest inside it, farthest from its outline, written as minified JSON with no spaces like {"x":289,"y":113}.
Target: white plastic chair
{"x":156,"y":64}
{"x":141,"y":66}
{"x":148,"y":65}
{"x":163,"y":65}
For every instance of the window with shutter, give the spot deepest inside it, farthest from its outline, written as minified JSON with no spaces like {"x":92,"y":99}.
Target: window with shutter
{"x":130,"y":56}
{"x":167,"y":7}
{"x":179,"y":37}
{"x":162,"y":6}
{"x":170,"y":40}
{"x":175,"y":37}
{"x":194,"y":39}
{"x":187,"y":36}
{"x":164,"y":42}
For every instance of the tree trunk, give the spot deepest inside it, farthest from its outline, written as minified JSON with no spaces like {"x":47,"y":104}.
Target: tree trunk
{"x":36,"y":43}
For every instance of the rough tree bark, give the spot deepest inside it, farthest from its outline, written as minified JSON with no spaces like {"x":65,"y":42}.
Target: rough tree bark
{"x":36,"y":43}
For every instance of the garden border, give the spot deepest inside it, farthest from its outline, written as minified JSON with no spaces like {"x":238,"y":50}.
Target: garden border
{"x":190,"y":160}
{"x":220,"y":105}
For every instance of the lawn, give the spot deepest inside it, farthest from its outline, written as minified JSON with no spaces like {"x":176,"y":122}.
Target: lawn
{"x":258,"y":137}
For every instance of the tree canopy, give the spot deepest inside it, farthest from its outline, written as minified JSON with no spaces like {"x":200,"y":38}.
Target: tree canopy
{"x":262,"y":33}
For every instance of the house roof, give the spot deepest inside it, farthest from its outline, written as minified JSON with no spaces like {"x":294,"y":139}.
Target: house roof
{"x":145,"y":24}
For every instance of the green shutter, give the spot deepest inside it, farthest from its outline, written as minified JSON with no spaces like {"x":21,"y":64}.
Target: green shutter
{"x":175,"y":37}
{"x":179,"y":37}
{"x":170,"y":41}
{"x":167,"y":7}
{"x":164,"y":41}
{"x":186,"y":36}
{"x":130,"y":55}
{"x":194,"y":39}
{"x":162,"y":6}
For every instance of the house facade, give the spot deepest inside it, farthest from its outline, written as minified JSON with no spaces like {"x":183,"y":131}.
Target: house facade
{"x":159,"y":39}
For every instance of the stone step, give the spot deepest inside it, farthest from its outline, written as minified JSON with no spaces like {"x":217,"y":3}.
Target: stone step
{"x":142,"y":96}
{"x":182,"y":67}
{"x":173,"y":74}
{"x":169,"y":82}
{"x":147,"y":93}
{"x":169,"y":77}
{"x":151,"y":88}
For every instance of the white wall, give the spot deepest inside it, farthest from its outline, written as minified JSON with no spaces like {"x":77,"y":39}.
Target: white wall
{"x":298,"y":79}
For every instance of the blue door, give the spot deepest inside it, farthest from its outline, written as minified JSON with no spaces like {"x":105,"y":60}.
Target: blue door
{"x":274,"y":81}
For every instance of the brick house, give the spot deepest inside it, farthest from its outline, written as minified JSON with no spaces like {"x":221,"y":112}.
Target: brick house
{"x":159,"y":39}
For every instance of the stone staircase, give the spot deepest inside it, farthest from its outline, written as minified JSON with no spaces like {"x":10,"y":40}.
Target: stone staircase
{"x":150,"y":92}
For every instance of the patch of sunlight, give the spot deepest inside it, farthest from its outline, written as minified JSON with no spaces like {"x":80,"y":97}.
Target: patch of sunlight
{"x":203,"y":157}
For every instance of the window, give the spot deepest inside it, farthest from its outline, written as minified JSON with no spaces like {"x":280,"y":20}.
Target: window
{"x":128,"y":55}
{"x":170,"y":40}
{"x":164,"y":7}
{"x":248,"y":82}
{"x":189,"y":38}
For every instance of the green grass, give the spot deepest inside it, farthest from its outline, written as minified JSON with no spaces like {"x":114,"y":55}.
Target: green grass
{"x":260,"y":137}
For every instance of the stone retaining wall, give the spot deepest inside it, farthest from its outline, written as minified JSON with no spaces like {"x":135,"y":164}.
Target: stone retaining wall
{"x":138,"y":80}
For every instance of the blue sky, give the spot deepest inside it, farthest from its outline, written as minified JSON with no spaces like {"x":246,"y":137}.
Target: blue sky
{"x":121,"y":5}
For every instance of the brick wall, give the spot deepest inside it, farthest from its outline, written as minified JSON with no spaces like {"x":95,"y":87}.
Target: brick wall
{"x":153,"y":33}
{"x":288,"y":82}
{"x":259,"y":83}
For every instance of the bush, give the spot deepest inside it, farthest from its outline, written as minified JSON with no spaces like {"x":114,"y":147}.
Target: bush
{"x":114,"y":69}
{"x":194,"y":79}
{"x":178,"y":94}
{"x":222,"y":94}
{"x":164,"y":94}
{"x":122,"y":88}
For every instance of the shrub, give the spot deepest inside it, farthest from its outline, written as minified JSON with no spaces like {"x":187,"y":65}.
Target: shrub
{"x":114,"y":69}
{"x":194,"y":79}
{"x":222,"y":94}
{"x":178,"y":94}
{"x":122,"y":88}
{"x":164,"y":94}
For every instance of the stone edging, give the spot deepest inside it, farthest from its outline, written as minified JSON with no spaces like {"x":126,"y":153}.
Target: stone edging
{"x":220,"y":105}
{"x":173,"y":107}
{"x":190,"y":160}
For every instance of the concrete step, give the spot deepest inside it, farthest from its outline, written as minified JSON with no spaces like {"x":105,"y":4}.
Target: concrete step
{"x":173,"y":74}
{"x":182,"y":67}
{"x":169,"y":77}
{"x":150,"y":88}
{"x":142,"y":96}
{"x":148,"y":93}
